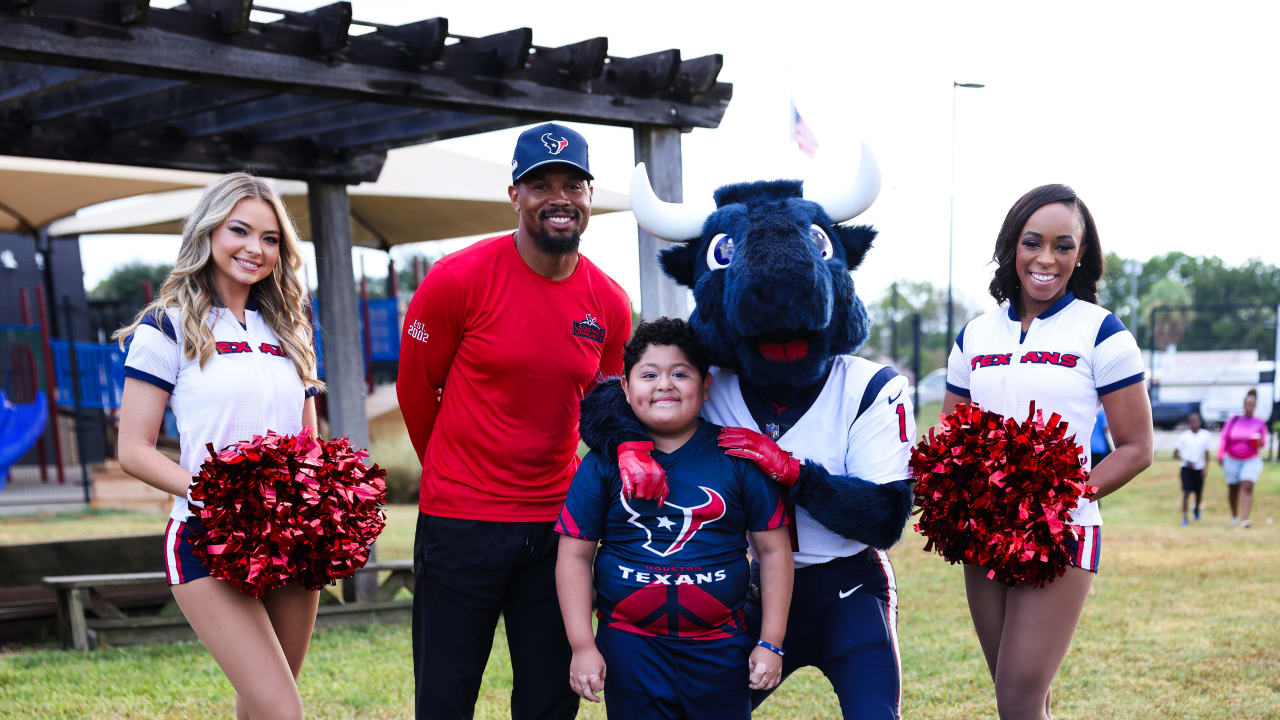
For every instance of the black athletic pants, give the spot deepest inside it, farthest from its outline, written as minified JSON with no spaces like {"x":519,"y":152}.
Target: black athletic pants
{"x":466,"y":573}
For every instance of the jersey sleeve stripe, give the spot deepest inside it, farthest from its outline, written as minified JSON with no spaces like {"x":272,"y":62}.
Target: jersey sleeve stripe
{"x":876,"y":384}
{"x":960,"y":337}
{"x":957,"y":390}
{"x":1110,"y":326}
{"x":779,"y":518}
{"x":166,"y":325}
{"x":566,"y":526}
{"x":1112,"y":387}
{"x":136,"y":374}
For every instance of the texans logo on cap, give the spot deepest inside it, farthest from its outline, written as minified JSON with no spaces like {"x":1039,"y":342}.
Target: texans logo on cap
{"x":554,"y":144}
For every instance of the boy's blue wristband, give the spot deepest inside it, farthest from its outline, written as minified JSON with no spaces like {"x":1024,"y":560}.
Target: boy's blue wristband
{"x":771,"y":647}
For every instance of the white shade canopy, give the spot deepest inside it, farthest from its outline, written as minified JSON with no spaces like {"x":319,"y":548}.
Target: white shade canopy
{"x":424,"y":193}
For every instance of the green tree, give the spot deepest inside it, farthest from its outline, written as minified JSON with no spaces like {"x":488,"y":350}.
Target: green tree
{"x":126,"y":282}
{"x":1234,"y":307}
{"x":913,"y":297}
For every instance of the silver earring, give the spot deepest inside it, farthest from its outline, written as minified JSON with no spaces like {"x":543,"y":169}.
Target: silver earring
{"x":1077,"y":264}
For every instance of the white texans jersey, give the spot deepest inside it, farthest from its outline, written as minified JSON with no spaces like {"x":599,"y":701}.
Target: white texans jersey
{"x":861,"y":425}
{"x":1071,"y":355}
{"x":246,"y":388}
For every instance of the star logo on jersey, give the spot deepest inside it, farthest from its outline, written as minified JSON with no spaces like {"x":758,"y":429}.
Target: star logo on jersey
{"x":659,"y":536}
{"x":589,"y":328}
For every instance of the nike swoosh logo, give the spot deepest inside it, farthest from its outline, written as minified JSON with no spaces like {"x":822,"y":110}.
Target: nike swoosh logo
{"x":894,"y":399}
{"x":846,"y":593}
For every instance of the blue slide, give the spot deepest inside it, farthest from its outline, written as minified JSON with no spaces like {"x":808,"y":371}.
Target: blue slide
{"x":20,"y":428}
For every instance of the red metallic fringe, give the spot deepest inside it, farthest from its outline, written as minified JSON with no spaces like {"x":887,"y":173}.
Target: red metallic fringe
{"x":281,"y":508}
{"x":998,"y":494}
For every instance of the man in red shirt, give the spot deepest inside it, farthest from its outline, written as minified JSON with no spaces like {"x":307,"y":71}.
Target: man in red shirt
{"x":501,"y":342}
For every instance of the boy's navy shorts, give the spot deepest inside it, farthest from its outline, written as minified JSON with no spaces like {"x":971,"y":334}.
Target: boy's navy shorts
{"x":661,"y":678}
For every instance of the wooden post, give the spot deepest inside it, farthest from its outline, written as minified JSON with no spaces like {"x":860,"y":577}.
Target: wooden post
{"x":343,"y":355}
{"x":659,"y":149}
{"x":77,"y":628}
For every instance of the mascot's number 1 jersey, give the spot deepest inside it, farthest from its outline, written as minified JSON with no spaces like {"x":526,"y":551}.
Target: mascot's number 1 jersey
{"x":1071,"y":355}
{"x":679,"y":570}
{"x":861,"y":424}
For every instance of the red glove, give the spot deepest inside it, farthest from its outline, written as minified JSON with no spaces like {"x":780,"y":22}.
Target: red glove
{"x":642,"y":476}
{"x":763,"y":451}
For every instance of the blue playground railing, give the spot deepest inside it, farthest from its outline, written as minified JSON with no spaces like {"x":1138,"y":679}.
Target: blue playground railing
{"x":102,"y":366}
{"x":384,"y":332}
{"x":101,"y":374}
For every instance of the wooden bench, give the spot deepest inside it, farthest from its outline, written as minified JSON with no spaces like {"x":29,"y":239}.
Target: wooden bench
{"x":29,"y":610}
{"x":80,"y":594}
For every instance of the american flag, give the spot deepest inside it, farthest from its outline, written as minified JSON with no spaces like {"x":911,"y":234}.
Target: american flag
{"x":801,"y":133}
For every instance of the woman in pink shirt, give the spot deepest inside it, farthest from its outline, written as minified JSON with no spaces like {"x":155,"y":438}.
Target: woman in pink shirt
{"x":1238,"y":454}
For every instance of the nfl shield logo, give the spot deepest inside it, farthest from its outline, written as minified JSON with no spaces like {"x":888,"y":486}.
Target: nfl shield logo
{"x":773,"y":431}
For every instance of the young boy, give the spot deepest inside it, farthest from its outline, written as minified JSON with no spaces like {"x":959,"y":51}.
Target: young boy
{"x":671,"y":579}
{"x":1193,"y":450}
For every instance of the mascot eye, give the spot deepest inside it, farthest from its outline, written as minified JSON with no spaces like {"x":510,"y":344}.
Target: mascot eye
{"x":720,"y":252}
{"x":821,"y":242}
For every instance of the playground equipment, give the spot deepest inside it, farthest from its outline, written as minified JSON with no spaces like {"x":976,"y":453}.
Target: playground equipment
{"x":20,"y":428}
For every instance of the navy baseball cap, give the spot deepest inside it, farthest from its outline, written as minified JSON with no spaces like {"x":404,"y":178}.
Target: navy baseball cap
{"x":549,"y":143}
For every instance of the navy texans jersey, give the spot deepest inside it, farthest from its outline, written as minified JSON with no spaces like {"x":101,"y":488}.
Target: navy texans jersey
{"x":679,"y":570}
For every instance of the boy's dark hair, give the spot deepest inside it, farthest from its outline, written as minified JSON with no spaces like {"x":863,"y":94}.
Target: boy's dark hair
{"x":664,"y":331}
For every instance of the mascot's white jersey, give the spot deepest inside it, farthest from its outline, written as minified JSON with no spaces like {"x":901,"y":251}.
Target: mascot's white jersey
{"x":845,"y":431}
{"x":1071,"y":355}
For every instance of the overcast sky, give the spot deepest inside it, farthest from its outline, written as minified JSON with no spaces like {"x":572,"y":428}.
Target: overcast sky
{"x":1163,"y":116}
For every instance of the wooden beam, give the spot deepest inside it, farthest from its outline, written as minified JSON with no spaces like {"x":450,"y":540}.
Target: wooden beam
{"x":413,"y":46}
{"x":92,"y":94}
{"x":339,"y":310}
{"x":19,"y":81}
{"x":169,"y":45}
{"x":698,"y":75}
{"x":415,"y":129}
{"x":330,"y":23}
{"x":88,"y":141}
{"x":133,"y":12}
{"x":230,"y":16}
{"x":257,"y":112}
{"x":659,"y":149}
{"x":491,"y":55}
{"x":177,"y":105}
{"x":646,"y":74}
{"x":570,"y":63}
{"x":348,"y":117}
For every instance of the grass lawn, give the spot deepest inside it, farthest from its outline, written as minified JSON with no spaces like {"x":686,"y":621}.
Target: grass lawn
{"x":1183,"y":623}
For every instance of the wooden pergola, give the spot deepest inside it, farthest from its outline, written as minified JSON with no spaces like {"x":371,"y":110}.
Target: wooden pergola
{"x":202,"y":87}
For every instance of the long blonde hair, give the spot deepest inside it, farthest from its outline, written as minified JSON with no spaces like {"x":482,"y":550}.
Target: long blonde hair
{"x":282,"y":297}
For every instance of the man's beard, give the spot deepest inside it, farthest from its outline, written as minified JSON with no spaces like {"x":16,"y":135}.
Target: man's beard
{"x":560,"y":244}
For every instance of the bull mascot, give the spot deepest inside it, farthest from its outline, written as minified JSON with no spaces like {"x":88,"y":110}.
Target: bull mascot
{"x":769,"y":264}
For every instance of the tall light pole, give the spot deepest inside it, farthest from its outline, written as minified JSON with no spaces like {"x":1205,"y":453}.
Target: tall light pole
{"x":951,"y":222}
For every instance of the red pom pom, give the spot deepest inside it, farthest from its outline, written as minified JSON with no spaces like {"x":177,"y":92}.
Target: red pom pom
{"x":282,"y":508}
{"x":997,"y":493}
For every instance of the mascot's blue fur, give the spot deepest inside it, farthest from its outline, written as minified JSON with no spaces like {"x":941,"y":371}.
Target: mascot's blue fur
{"x":779,"y":288}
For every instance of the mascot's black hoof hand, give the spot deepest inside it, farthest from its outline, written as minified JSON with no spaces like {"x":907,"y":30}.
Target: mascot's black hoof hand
{"x":607,"y":421}
{"x":854,"y":508}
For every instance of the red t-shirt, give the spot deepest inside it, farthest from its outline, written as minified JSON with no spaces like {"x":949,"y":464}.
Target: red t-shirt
{"x":514,"y":353}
